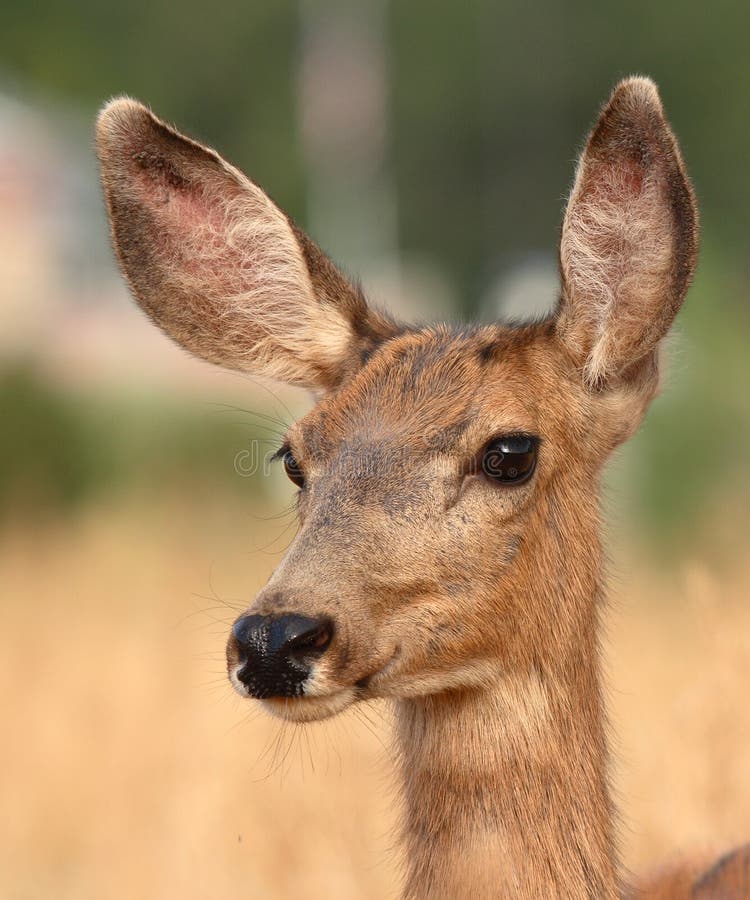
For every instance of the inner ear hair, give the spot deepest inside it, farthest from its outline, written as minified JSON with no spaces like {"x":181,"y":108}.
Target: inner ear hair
{"x":629,"y":237}
{"x":218,"y":266}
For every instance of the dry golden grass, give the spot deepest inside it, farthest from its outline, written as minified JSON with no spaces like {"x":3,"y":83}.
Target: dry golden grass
{"x":129,"y":770}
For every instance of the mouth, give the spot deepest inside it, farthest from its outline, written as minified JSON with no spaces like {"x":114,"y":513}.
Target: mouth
{"x":310,"y":709}
{"x":371,"y":682}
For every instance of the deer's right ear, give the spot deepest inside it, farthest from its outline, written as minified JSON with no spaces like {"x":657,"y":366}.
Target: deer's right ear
{"x":218,"y":266}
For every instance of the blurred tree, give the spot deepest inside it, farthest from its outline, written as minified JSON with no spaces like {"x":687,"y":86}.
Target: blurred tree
{"x":224,"y":71}
{"x":491,"y":102}
{"x":60,"y":448}
{"x":488,"y":101}
{"x":483,"y":107}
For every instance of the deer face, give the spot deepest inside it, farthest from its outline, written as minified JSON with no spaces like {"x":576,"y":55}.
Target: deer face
{"x":440,"y":469}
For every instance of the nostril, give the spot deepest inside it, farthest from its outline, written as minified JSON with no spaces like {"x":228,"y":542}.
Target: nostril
{"x":293,"y":635}
{"x":315,"y":638}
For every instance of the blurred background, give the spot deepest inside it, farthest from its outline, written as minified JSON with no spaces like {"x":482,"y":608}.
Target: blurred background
{"x":427,"y":146}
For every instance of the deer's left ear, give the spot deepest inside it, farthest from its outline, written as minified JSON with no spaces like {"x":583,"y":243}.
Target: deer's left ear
{"x":629,"y":238}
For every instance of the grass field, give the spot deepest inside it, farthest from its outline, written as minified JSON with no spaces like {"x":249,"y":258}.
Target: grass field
{"x":129,"y":770}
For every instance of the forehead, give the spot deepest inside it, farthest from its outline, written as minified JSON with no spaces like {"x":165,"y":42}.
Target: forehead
{"x":437,"y":385}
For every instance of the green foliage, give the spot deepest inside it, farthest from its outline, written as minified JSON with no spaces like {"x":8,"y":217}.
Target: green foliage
{"x":47,"y":453}
{"x":59,"y":449}
{"x":491,"y":101}
{"x":690,"y":457}
{"x":223,"y":70}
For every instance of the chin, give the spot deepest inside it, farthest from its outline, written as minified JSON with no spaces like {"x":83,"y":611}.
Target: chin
{"x":310,"y":709}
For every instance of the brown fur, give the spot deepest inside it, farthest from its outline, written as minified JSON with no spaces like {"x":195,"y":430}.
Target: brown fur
{"x":473,"y":607}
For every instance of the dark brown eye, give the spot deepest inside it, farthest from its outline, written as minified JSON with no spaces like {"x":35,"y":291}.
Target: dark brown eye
{"x":510,"y":459}
{"x":293,"y":470}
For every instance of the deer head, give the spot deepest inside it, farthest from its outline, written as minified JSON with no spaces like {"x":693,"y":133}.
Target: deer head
{"x":447,"y":476}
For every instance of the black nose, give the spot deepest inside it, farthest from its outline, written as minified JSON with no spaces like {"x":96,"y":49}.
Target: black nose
{"x":276,"y":653}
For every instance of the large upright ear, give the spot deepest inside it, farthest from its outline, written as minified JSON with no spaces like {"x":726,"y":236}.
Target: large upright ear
{"x":218,"y":266}
{"x":629,"y":237}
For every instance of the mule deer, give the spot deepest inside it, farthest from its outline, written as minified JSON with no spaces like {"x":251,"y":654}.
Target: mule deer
{"x":448,"y":555}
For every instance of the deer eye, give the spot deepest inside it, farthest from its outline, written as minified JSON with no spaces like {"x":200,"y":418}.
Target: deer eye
{"x":293,"y":470}
{"x":510,"y":459}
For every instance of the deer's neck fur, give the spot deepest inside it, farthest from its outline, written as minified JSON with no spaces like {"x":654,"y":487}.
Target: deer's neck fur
{"x":505,"y":786}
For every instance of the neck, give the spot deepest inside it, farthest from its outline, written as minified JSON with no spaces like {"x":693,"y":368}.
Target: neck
{"x":505,"y":786}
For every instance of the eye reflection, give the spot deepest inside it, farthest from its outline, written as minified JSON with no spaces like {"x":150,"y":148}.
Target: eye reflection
{"x":510,"y":459}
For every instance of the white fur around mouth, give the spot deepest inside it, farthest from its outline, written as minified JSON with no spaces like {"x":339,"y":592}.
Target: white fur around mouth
{"x":310,"y":709}
{"x":235,"y":681}
{"x":303,"y":708}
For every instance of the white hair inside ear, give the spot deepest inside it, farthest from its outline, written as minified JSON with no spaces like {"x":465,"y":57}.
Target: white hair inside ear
{"x":629,"y":237}
{"x":217,"y":265}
